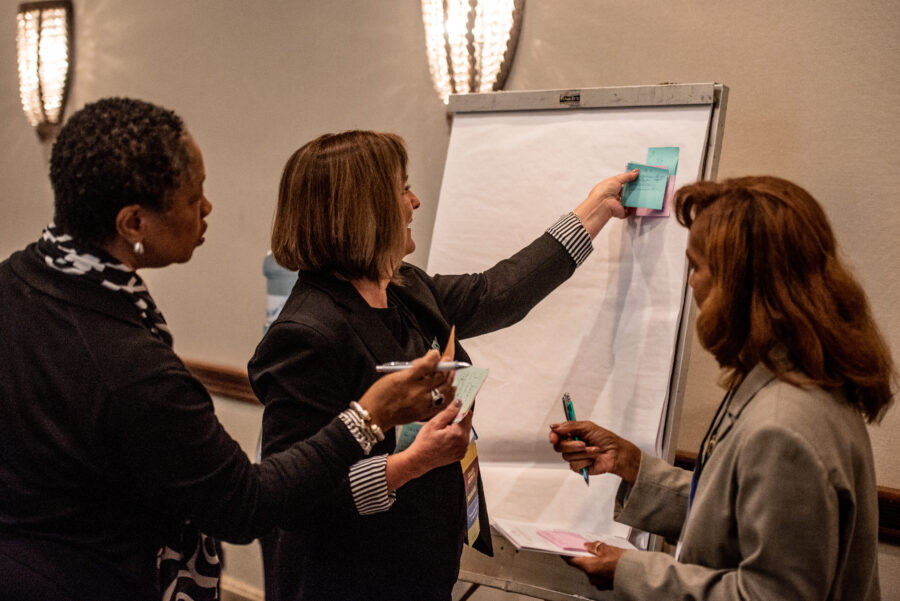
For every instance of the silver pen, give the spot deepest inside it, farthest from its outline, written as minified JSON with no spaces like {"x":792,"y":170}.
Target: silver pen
{"x":392,"y":366}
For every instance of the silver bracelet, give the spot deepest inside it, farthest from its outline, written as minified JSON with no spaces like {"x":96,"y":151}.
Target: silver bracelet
{"x":352,"y":421}
{"x":358,"y":422}
{"x":367,"y":420}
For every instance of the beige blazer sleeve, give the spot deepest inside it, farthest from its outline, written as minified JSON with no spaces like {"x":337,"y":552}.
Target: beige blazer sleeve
{"x":785,"y":509}
{"x":658,"y":500}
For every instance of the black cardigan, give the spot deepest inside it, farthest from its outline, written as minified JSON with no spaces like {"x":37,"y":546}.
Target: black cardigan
{"x":107,"y":443}
{"x":320,"y":354}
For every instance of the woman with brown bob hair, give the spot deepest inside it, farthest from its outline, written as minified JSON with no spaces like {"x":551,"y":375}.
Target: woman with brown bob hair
{"x":783,"y":502}
{"x":323,"y":223}
{"x":396,"y":530}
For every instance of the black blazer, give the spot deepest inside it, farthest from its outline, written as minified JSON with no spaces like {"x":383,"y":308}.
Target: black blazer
{"x":107,"y":444}
{"x":319,"y":355}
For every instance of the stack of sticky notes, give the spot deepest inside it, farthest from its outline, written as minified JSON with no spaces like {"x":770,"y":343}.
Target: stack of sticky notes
{"x":652,"y":192}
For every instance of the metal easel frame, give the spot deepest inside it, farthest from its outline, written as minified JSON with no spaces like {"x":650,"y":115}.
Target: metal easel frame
{"x":541,"y":575}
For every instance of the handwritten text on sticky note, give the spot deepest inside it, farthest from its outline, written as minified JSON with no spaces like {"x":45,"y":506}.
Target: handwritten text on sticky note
{"x":667,"y":203}
{"x":648,"y":190}
{"x":664,"y":156}
{"x":468,"y":381}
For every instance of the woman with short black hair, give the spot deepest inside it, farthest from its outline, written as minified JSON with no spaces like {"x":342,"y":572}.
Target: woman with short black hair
{"x":113,"y":466}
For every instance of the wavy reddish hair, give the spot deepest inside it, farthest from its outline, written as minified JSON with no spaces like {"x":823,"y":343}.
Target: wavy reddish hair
{"x":779,"y":288}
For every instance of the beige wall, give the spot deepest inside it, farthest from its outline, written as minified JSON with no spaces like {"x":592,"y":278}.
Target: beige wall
{"x":813,"y":98}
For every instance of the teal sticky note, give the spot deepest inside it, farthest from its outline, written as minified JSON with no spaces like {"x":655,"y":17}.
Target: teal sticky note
{"x":648,"y":190}
{"x":665,"y":156}
{"x":406,"y":434}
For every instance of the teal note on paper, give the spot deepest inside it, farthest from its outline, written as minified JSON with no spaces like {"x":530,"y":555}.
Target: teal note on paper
{"x":649,"y":190}
{"x":468,"y":382}
{"x":665,"y":156}
{"x":406,"y":434}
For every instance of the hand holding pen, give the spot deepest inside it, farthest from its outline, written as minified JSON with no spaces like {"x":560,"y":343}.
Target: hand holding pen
{"x":569,"y":410}
{"x":587,"y":446}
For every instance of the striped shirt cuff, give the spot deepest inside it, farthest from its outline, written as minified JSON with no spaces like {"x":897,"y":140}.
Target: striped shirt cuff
{"x":368,"y":485}
{"x":569,"y":231}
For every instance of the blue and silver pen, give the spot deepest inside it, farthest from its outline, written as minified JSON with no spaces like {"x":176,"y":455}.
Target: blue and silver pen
{"x":569,"y":410}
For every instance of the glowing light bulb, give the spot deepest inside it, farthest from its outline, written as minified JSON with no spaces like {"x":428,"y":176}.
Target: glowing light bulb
{"x":43,"y":47}
{"x":470,"y":43}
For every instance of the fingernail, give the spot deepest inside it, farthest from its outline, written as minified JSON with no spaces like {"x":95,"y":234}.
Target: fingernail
{"x":457,"y":403}
{"x":554,"y":425}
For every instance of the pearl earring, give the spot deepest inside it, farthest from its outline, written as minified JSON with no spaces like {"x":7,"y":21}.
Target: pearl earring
{"x":138,"y":248}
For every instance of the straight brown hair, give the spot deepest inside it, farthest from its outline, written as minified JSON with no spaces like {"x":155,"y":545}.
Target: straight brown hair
{"x":779,"y":286}
{"x":338,"y":206}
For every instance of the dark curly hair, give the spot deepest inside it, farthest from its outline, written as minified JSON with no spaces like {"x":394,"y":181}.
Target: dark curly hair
{"x":110,"y":154}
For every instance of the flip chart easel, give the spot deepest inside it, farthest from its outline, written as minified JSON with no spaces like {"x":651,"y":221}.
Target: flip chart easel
{"x":616,"y":335}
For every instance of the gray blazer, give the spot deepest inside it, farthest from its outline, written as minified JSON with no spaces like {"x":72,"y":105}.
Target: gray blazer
{"x":785,"y":507}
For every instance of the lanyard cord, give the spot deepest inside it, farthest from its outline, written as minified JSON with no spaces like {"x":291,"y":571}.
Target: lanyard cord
{"x":709,"y":442}
{"x":711,"y":437}
{"x":408,"y":316}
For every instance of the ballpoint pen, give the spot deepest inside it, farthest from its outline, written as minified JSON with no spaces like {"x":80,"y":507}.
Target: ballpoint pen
{"x":393,"y":366}
{"x":569,"y":410}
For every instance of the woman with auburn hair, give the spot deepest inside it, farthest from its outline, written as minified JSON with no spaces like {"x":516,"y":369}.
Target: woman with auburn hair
{"x":396,"y":530}
{"x":783,"y":502}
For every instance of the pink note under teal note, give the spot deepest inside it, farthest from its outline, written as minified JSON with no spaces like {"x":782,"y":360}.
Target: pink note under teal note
{"x":668,"y":200}
{"x":649,"y":189}
{"x":663,"y":156}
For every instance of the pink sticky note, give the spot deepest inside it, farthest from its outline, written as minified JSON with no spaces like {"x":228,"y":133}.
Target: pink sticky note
{"x":568,"y":541}
{"x":667,"y":202}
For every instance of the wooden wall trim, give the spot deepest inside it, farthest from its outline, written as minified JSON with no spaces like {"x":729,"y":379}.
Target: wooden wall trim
{"x":223,"y":381}
{"x":234,"y":384}
{"x":238,"y":590}
{"x":889,"y":515}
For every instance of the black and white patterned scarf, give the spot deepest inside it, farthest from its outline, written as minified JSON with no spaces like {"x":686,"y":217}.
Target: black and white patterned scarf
{"x":188,"y":566}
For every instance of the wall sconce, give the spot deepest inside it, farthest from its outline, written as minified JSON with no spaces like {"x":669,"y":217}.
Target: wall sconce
{"x":470,"y":43}
{"x":44,"y":42}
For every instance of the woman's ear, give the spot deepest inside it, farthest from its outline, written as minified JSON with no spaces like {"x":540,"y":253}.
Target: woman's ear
{"x":130,"y":222}
{"x":131,"y":230}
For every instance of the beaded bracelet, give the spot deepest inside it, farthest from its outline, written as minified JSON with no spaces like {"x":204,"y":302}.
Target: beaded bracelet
{"x":359,"y":422}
